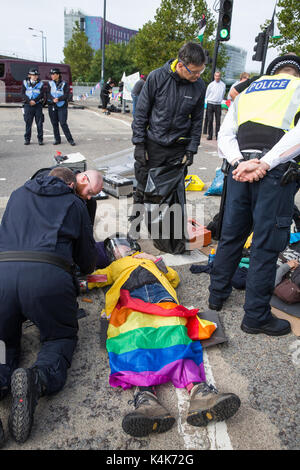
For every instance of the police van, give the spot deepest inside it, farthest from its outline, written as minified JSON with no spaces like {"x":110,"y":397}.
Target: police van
{"x":14,"y":71}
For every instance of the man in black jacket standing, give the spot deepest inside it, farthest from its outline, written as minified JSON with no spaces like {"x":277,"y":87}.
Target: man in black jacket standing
{"x":45,"y":232}
{"x":168,"y":117}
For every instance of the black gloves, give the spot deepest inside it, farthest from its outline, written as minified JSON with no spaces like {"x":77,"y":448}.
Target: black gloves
{"x":189,"y":158}
{"x":140,"y":154}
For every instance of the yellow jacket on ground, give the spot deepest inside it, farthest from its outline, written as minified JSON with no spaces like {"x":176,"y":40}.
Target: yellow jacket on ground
{"x":119,"y":271}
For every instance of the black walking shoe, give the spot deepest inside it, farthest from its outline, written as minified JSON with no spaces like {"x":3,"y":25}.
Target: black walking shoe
{"x":149,"y":416}
{"x":27,"y":142}
{"x":56,"y":142}
{"x":41,"y":142}
{"x":207,"y":404}
{"x":2,"y":437}
{"x":72,"y":143}
{"x":274,"y":327}
{"x":26,"y":389}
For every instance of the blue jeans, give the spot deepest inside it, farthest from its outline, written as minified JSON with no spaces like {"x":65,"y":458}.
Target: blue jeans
{"x":152,"y":293}
{"x":134,"y":102}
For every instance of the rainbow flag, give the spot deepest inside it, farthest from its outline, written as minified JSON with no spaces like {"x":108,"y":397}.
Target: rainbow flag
{"x":148,"y":344}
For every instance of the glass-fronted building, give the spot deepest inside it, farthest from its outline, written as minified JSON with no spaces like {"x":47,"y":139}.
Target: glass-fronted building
{"x":92,"y":25}
{"x":235,"y":65}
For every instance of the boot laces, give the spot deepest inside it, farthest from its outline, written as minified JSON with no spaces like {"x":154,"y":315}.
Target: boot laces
{"x":140,"y":398}
{"x":205,"y":389}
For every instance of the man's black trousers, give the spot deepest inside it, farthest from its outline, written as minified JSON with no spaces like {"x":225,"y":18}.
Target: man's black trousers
{"x":46,"y":295}
{"x":31,"y":113}
{"x":213,"y":110}
{"x":266,"y":208}
{"x":59,"y":116}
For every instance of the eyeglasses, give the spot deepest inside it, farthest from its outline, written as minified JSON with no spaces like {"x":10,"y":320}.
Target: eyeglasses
{"x":193,"y":72}
{"x":91,"y":192}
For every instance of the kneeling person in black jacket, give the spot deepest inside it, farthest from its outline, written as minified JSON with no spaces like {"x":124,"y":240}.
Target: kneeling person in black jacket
{"x":45,"y":231}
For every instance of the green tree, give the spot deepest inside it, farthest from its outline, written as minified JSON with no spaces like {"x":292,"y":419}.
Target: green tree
{"x":288,"y":20}
{"x":175,"y":22}
{"x":79,"y":54}
{"x":118,"y":59}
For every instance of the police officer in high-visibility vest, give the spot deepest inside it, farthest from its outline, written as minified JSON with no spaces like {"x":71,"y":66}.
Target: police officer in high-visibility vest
{"x":258,"y":138}
{"x":33,"y":97}
{"x":57,"y":98}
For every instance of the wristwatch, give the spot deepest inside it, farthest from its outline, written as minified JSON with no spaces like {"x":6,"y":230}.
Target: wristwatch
{"x":236,"y":164}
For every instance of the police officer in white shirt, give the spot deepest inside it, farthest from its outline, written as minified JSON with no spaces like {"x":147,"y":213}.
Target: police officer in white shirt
{"x":214,"y":96}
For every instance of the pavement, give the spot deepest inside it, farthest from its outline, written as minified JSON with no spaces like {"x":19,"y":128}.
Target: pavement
{"x":263,"y":371}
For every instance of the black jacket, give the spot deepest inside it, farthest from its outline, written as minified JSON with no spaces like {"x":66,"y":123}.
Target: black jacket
{"x":169,"y":108}
{"x":45,"y":215}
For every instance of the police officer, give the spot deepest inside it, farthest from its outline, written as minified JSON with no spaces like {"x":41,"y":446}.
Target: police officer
{"x":57,"y":98}
{"x":33,"y":97}
{"x":255,"y":137}
{"x":44,"y":232}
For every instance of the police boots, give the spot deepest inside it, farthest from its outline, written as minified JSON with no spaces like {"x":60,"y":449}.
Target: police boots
{"x":26,"y":389}
{"x":207,"y":404}
{"x":149,"y":416}
{"x":1,"y":435}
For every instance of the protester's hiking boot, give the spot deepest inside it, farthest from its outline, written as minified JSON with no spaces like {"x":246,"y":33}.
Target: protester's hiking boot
{"x":2,"y":437}
{"x":26,"y":389}
{"x":149,"y":416}
{"x":274,"y":327}
{"x":207,"y":404}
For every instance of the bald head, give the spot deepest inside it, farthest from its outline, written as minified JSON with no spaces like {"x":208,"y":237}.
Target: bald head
{"x":89,"y":183}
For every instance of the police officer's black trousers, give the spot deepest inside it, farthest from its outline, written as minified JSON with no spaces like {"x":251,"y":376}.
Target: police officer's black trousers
{"x":44,"y":294}
{"x":59,"y":116}
{"x":267,"y":208}
{"x":31,"y":113}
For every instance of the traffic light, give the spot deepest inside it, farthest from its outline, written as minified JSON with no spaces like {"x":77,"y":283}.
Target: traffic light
{"x":259,"y":46}
{"x":224,"y":24}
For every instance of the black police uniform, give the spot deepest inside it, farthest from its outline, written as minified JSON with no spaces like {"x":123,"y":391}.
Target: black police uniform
{"x":45,"y":217}
{"x":35,"y":92}
{"x":58,"y":112}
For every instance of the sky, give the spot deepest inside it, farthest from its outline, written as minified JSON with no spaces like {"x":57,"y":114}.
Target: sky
{"x":18,"y":15}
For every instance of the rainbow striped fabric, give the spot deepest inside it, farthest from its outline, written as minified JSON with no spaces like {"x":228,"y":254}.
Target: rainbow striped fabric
{"x":148,"y":344}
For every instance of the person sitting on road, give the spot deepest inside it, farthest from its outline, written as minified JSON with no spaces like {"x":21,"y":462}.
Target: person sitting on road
{"x":148,"y":342}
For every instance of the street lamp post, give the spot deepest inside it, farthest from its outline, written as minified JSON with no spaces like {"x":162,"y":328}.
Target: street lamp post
{"x":43,"y":38}
{"x":103,"y":44}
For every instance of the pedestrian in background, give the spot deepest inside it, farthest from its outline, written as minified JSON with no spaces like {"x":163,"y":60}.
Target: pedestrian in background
{"x":214,"y":96}
{"x":105,"y":94}
{"x":33,"y":97}
{"x":136,"y":92}
{"x":57,"y":98}
{"x":243,"y":77}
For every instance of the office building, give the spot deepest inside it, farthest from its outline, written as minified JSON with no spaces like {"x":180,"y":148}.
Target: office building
{"x":235,"y":65}
{"x":92,"y":25}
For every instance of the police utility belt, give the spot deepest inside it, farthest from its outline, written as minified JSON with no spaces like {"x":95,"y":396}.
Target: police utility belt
{"x":38,"y":257}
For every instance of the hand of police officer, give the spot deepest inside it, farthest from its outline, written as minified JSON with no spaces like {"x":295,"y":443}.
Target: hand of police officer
{"x":250,"y":170}
{"x":140,"y":154}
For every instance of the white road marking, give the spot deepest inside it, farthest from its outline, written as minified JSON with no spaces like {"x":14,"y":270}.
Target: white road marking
{"x":110,"y":118}
{"x":217,"y":432}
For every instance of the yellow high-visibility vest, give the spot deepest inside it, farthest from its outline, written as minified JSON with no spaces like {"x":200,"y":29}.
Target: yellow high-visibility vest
{"x":271,"y":101}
